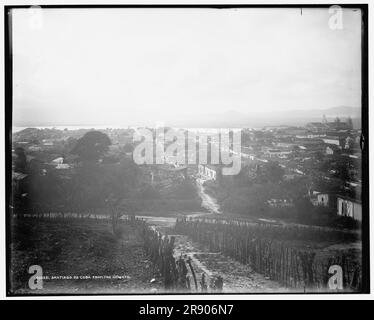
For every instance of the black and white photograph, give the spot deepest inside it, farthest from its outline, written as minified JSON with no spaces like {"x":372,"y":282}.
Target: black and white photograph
{"x":195,"y":150}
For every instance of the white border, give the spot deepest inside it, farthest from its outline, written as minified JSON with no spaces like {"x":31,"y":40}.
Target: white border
{"x":182,"y":297}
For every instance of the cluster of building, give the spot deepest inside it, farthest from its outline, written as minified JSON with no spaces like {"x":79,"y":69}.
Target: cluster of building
{"x":345,"y":206}
{"x":300,"y":151}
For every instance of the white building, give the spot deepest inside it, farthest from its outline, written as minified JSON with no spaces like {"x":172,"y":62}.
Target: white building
{"x":348,"y":207}
{"x":277,"y":153}
{"x":207,"y":172}
{"x":332,"y":141}
{"x":57,"y":161}
{"x":62,"y":166}
{"x":323,"y":199}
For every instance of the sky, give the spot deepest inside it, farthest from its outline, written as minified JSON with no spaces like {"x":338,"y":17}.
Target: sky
{"x":131,"y":66}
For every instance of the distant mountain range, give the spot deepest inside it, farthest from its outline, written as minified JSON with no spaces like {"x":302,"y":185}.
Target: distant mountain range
{"x":262,"y":118}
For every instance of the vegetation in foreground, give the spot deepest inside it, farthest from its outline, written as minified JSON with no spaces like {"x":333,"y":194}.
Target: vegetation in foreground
{"x":83,"y":248}
{"x":297,"y":257}
{"x":248,"y":200}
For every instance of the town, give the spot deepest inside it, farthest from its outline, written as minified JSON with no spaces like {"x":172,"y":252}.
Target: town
{"x":319,"y":164}
{"x":285,"y":171}
{"x":182,"y":144}
{"x":295,"y":203}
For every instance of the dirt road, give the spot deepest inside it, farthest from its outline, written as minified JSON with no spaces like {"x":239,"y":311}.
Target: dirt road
{"x":207,"y":201}
{"x":237,"y":278}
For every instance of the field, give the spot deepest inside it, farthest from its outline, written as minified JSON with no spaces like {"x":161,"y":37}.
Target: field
{"x":82,"y":255}
{"x":85,"y":248}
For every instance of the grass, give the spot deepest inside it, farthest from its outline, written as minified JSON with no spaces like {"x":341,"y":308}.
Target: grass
{"x":82,"y":248}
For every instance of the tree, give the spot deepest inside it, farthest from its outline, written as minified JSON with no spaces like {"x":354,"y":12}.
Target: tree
{"x":304,"y":209}
{"x":350,"y":123}
{"x":47,"y":190}
{"x":104,"y":186}
{"x":319,"y":156}
{"x":70,"y":143}
{"x":20,"y":161}
{"x":128,"y":147}
{"x":272,"y":172}
{"x":296,"y":188}
{"x":92,"y":146}
{"x":242,"y":179}
{"x":342,"y":170}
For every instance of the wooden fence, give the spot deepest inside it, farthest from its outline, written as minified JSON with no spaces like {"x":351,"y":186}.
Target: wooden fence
{"x":178,"y":273}
{"x":279,"y":253}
